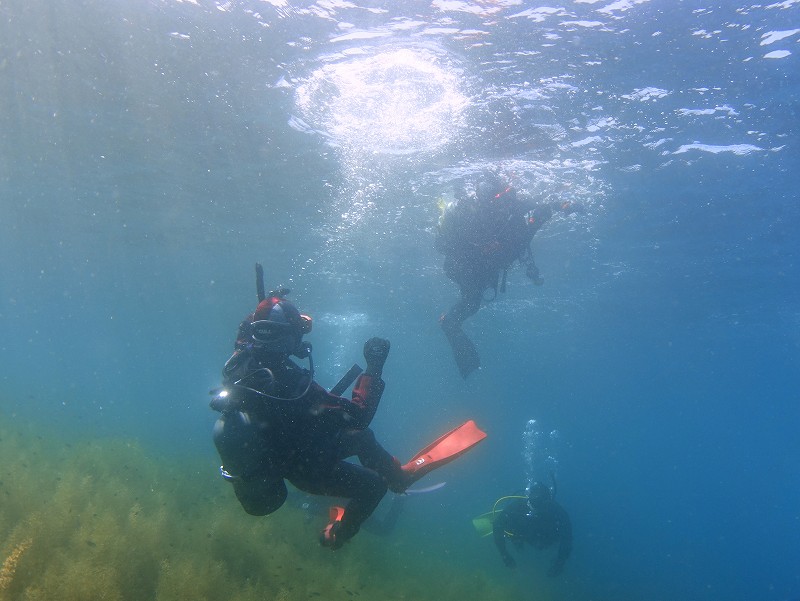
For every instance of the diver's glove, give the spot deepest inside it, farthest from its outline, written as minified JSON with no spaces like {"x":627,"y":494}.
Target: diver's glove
{"x":509,"y":561}
{"x":337,"y":532}
{"x":375,"y":352}
{"x":533,"y":273}
{"x":540,"y":214}
{"x":570,"y":207}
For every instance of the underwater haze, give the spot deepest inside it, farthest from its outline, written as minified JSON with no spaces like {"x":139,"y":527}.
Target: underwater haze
{"x":152,"y":151}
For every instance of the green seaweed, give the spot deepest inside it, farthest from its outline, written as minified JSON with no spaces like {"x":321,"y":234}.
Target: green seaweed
{"x":105,"y":519}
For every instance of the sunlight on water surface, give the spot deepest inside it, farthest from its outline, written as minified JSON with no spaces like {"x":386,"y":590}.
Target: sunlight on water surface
{"x":396,"y":101}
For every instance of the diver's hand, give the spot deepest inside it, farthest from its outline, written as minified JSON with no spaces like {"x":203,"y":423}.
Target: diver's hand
{"x":533,"y":273}
{"x":571,"y":206}
{"x":375,"y":352}
{"x":509,"y":561}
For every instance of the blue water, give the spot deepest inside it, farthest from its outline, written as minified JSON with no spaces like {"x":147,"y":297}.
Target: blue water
{"x":151,"y":153}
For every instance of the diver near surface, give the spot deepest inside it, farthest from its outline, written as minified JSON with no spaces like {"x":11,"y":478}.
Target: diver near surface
{"x":538,"y":520}
{"x":481,"y":235}
{"x":278,"y":424}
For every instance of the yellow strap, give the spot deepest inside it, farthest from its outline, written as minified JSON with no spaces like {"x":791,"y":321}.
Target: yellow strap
{"x":494,"y":510}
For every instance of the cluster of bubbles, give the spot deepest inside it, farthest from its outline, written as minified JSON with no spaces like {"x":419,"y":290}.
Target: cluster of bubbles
{"x":381,"y":109}
{"x":385,"y":101}
{"x":349,"y":329}
{"x":540,"y":452}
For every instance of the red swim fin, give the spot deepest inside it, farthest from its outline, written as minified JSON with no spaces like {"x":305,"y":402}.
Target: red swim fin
{"x":443,"y":450}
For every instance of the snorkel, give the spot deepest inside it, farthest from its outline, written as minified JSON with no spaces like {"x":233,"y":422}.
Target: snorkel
{"x":261,"y":380}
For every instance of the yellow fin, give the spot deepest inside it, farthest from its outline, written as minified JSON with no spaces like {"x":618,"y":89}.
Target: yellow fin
{"x":483,"y":524}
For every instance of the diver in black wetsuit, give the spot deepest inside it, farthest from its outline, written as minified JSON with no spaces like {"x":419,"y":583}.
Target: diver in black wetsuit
{"x":278,"y":424}
{"x":538,"y":521}
{"x":481,"y":236}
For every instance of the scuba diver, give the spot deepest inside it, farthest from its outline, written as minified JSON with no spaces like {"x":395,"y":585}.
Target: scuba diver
{"x":278,"y":424}
{"x":537,"y":520}
{"x":481,"y":235}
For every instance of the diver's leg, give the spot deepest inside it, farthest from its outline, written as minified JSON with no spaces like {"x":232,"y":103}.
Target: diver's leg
{"x":385,"y":526}
{"x":464,"y":351}
{"x":467,"y":305}
{"x":372,"y":455}
{"x":326,"y":473}
{"x":395,"y":509}
{"x":363,"y":487}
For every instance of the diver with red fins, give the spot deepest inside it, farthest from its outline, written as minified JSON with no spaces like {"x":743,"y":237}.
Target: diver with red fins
{"x":277,"y":423}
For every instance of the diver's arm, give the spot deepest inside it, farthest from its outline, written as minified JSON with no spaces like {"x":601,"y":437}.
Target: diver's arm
{"x":547,"y":208}
{"x":564,"y":544}
{"x":568,"y":207}
{"x":366,"y":396}
{"x":370,"y":386}
{"x":501,"y":522}
{"x":447,"y":233}
{"x":358,"y":410}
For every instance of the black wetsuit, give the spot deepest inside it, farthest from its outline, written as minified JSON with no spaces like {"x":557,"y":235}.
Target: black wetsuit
{"x":479,"y":241}
{"x":543,"y":526}
{"x":303,"y":434}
